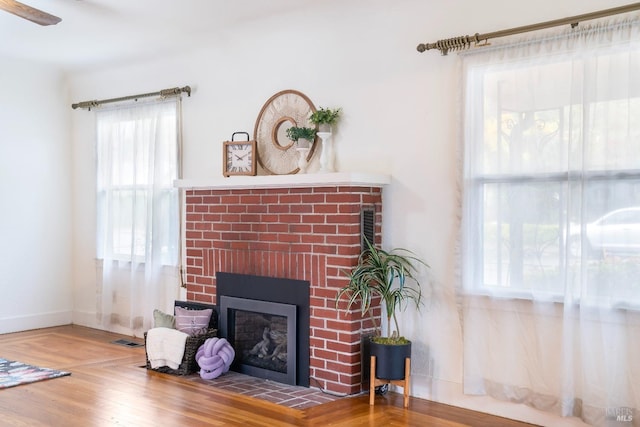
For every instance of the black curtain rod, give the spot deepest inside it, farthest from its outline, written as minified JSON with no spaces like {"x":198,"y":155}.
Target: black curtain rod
{"x":464,"y":42}
{"x":162,"y":93}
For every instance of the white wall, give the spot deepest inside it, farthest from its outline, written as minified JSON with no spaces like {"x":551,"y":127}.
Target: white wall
{"x":400,"y":118}
{"x":35,"y":218}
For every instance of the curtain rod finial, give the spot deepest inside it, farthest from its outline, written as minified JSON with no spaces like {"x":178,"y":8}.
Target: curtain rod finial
{"x":421,"y":47}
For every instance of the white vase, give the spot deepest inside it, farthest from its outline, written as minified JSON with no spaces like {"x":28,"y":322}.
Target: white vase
{"x":303,"y":152}
{"x":324,"y":127}
{"x":327,"y":155}
{"x":303,"y":143}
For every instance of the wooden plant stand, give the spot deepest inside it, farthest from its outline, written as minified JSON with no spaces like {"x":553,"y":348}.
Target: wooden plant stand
{"x":375,"y":382}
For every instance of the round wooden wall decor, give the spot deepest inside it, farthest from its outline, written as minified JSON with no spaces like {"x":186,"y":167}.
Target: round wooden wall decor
{"x":277,"y":154}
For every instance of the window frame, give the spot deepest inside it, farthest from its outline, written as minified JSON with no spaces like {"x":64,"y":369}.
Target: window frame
{"x":474,"y":265}
{"x":106,"y":250}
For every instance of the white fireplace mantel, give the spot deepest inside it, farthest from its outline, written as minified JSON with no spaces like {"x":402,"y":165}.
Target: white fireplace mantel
{"x":288,"y":181}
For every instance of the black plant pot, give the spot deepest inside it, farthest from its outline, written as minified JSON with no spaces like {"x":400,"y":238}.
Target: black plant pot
{"x":390,"y":360}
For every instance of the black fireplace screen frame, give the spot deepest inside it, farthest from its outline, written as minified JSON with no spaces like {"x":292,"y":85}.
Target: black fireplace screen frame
{"x":228,"y":305}
{"x":275,"y":289}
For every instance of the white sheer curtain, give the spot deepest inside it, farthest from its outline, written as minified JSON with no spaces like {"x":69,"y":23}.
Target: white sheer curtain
{"x":138,"y":149}
{"x":551,"y":222}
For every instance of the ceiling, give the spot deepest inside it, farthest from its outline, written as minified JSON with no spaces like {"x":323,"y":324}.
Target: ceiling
{"x":94,"y":32}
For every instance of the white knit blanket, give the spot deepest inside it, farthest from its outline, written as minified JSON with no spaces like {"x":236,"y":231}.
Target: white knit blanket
{"x":165,"y":347}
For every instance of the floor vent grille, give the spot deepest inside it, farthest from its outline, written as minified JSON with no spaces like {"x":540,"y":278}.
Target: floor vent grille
{"x":127,"y":343}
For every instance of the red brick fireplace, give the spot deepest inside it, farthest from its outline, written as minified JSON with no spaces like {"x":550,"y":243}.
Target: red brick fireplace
{"x":305,"y":227}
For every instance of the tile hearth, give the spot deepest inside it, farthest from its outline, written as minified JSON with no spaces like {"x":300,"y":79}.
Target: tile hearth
{"x":295,"y":397}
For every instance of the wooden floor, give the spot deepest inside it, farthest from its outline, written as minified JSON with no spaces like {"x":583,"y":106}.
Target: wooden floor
{"x":109,"y":387}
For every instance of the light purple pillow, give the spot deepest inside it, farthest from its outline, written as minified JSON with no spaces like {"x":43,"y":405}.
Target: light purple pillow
{"x":193,"y":322}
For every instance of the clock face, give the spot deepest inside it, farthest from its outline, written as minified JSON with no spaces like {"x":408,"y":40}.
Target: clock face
{"x":239,"y":158}
{"x":276,"y":153}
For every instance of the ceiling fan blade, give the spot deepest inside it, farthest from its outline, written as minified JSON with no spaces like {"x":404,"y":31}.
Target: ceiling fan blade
{"x":28,"y":12}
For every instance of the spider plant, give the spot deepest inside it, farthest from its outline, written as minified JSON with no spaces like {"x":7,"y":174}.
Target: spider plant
{"x":391,"y":275}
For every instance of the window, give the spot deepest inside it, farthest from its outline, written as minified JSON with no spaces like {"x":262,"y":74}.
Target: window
{"x":138,"y":210}
{"x":552,"y":176}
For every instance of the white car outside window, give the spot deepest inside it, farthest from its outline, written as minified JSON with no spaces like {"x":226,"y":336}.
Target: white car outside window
{"x":617,"y":231}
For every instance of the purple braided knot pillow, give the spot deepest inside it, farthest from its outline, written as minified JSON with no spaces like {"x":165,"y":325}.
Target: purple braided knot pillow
{"x":214,"y":357}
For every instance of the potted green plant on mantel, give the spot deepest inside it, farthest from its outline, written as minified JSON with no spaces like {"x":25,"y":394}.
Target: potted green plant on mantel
{"x":325,"y":118}
{"x":390,"y":275}
{"x":303,"y":137}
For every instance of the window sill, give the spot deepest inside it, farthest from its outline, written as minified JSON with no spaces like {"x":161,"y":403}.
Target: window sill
{"x":524,"y":299}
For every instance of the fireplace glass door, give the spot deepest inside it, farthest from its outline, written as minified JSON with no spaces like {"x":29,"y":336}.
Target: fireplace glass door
{"x":263,"y":335}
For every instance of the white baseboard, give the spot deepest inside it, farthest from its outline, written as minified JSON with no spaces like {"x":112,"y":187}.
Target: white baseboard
{"x":450,"y":393}
{"x":86,"y":318}
{"x":35,"y":321}
{"x":90,"y":320}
